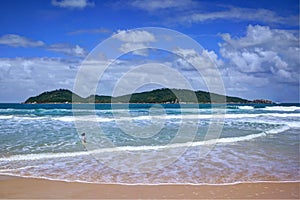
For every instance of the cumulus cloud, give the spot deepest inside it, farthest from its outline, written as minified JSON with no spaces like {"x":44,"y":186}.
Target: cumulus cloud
{"x":24,"y":77}
{"x":264,"y":51}
{"x":19,"y":41}
{"x":134,"y":40}
{"x":264,"y":57}
{"x":204,"y":60}
{"x":68,"y":49}
{"x":200,"y":68}
{"x":263,"y":36}
{"x":136,"y":48}
{"x":79,"y":4}
{"x":135,"y":36}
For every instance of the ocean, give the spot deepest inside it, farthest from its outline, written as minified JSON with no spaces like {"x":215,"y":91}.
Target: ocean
{"x":150,"y":143}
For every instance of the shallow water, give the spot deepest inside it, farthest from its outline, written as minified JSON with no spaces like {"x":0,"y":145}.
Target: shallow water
{"x":151,"y":144}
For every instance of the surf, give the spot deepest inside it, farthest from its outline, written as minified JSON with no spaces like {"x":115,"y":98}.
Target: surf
{"x":40,"y":156}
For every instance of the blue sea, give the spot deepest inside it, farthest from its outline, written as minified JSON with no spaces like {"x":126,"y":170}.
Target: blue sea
{"x":151,"y":143}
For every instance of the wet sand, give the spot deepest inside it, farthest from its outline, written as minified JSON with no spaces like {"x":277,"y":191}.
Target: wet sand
{"x":24,"y":188}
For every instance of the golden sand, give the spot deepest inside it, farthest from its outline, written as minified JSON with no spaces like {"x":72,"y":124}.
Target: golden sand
{"x":24,"y":188}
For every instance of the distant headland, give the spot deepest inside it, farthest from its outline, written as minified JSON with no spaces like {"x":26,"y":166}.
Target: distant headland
{"x":161,"y":96}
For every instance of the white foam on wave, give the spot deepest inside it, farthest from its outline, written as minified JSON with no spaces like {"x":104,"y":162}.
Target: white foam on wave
{"x":242,"y":138}
{"x":90,"y":118}
{"x":200,"y":116}
{"x":282,"y":121}
{"x":293,"y":124}
{"x":144,"y":117}
{"x":246,"y":107}
{"x":146,"y":184}
{"x":95,"y":118}
{"x":281,"y":108}
{"x":64,"y":118}
{"x":263,"y":114}
{"x":21,"y":117}
{"x":6,"y":116}
{"x":233,"y":116}
{"x":29,"y":117}
{"x":285,"y":114}
{"x":42,"y":156}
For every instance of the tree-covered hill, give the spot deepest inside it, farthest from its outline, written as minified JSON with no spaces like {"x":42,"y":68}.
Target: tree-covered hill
{"x":176,"y":96}
{"x":156,"y":96}
{"x":56,"y":96}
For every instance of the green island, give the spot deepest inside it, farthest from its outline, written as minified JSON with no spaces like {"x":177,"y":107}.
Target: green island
{"x":161,"y":96}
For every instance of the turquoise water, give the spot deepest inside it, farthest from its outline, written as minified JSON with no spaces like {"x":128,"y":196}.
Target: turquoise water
{"x":151,"y":144}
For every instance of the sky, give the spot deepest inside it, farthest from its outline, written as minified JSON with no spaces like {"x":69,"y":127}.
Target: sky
{"x":254,"y":45}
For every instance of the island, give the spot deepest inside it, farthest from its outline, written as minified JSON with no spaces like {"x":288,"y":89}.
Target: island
{"x":160,"y":96}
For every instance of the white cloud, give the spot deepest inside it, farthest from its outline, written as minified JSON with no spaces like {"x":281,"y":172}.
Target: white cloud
{"x":263,"y":58}
{"x":235,"y":13}
{"x":80,"y":4}
{"x":135,"y":36}
{"x":127,"y":47}
{"x":263,"y":36}
{"x":155,"y":5}
{"x":135,"y":41}
{"x":239,"y":14}
{"x":200,"y":68}
{"x":68,"y":49}
{"x":19,"y":41}
{"x":264,"y":50}
{"x":24,"y":77}
{"x":90,"y":31}
{"x":206,"y":60}
{"x":189,"y":11}
{"x":14,"y":40}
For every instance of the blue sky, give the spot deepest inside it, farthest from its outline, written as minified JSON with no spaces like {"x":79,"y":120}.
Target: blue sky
{"x":254,"y":43}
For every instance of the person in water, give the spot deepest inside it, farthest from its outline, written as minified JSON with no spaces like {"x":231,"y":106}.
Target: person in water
{"x":83,"y":138}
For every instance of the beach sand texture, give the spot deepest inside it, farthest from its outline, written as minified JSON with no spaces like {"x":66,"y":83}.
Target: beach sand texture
{"x":28,"y":188}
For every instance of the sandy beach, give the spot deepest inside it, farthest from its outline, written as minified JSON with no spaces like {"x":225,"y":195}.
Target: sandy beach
{"x":25,"y":188}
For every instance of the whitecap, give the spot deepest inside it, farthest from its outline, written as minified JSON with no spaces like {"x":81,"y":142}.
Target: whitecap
{"x":281,"y":108}
{"x":246,"y":107}
{"x":6,"y":116}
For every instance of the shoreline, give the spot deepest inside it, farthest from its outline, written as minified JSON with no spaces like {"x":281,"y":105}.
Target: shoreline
{"x":19,"y":187}
{"x":11,"y":176}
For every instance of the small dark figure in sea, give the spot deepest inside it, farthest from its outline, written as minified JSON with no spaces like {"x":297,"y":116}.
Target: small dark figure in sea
{"x":83,"y":138}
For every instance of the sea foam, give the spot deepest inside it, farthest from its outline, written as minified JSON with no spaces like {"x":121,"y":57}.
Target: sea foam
{"x":281,"y":108}
{"x":41,"y":156}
